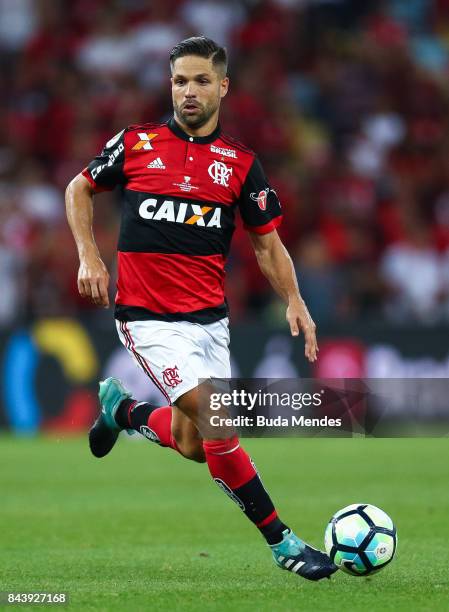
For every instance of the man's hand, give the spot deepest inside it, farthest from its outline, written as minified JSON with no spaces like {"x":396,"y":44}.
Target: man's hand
{"x":298,"y":318}
{"x":93,"y":280}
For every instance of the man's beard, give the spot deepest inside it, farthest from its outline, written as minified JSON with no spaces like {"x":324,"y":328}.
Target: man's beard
{"x":199,"y":119}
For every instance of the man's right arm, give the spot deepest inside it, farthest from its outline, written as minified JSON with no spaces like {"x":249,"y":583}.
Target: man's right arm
{"x":93,"y":277}
{"x":103,"y":173}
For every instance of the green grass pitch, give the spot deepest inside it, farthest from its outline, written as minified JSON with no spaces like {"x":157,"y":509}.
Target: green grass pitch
{"x":144,"y":529}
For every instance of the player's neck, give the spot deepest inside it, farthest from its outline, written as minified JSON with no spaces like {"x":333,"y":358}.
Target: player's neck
{"x":204,"y":130}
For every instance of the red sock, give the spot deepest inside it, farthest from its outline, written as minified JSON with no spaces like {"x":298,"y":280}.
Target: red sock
{"x":153,"y":423}
{"x":234,"y":472}
{"x":159,"y":421}
{"x":228,"y":462}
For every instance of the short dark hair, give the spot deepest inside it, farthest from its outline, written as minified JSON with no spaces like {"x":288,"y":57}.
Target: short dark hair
{"x":203,"y":47}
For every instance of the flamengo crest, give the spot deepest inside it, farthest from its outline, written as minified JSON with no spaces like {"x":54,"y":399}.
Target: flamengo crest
{"x":171,"y":377}
{"x":220,"y":173}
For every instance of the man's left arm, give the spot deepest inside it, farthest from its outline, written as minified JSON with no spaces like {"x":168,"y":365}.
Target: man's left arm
{"x":261,"y":214}
{"x":276,"y":264}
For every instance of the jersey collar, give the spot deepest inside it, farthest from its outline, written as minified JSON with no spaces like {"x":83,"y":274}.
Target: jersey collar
{"x":178,"y":131}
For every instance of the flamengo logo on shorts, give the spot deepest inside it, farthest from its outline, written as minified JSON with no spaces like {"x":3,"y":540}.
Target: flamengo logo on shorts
{"x":171,"y":377}
{"x":191,"y":214}
{"x":220,"y":172}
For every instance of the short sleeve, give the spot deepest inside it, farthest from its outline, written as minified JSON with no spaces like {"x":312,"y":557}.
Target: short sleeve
{"x":105,"y":171}
{"x":259,"y":204}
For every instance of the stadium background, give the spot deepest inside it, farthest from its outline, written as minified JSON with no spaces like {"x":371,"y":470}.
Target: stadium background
{"x":346,"y":101}
{"x":347,"y":104}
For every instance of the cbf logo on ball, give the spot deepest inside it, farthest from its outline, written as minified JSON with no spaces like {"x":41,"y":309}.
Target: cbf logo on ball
{"x":220,"y":173}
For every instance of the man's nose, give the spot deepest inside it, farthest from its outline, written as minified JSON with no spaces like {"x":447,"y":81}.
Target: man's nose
{"x":190,"y":91}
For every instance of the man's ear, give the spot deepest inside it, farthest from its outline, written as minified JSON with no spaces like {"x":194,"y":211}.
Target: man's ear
{"x":224,"y":86}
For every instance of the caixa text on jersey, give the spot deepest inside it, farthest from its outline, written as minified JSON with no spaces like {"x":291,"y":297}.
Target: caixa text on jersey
{"x":180,"y":212}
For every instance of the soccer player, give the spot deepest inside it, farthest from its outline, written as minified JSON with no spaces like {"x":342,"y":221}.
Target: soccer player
{"x":182,"y":181}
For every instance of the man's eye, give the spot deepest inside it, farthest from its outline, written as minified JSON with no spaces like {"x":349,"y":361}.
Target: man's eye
{"x":204,"y":81}
{"x":179,"y":82}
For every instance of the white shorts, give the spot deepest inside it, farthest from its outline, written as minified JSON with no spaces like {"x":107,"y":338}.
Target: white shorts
{"x":175,"y":355}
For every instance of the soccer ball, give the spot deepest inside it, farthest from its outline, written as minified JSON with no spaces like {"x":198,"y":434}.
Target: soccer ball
{"x":360,"y":539}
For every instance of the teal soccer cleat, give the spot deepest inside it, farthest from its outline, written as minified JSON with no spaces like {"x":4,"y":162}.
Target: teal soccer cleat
{"x":104,"y":432}
{"x":294,"y":555}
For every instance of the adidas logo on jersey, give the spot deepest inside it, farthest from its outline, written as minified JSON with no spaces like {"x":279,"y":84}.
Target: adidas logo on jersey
{"x":180,"y":212}
{"x":157,"y":163}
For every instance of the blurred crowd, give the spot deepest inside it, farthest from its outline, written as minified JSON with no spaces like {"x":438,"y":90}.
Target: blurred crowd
{"x":345,"y":101}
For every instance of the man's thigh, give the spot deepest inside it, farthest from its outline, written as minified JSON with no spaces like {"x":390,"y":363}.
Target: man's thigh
{"x":216,"y":349}
{"x":176,"y":357}
{"x":168,"y":353}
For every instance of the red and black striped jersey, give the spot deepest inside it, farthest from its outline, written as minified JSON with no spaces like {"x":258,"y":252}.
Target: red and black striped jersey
{"x":180,"y":195}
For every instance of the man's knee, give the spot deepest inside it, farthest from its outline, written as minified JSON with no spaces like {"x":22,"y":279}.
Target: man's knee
{"x":191,"y":449}
{"x":184,"y":429}
{"x":189,"y":443}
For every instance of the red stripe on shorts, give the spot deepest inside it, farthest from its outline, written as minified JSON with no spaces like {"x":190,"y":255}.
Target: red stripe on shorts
{"x":143,"y":363}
